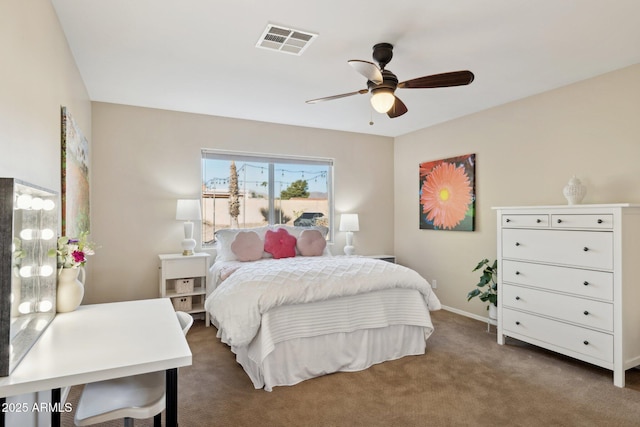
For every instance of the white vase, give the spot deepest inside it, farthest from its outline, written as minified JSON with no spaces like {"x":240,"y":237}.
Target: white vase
{"x":574,"y":191}
{"x":70,"y":289}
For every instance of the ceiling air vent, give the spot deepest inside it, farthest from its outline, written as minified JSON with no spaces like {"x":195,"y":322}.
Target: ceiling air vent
{"x":285,"y":40}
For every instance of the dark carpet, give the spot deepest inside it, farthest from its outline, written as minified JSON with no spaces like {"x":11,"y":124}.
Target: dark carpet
{"x":464,"y":379}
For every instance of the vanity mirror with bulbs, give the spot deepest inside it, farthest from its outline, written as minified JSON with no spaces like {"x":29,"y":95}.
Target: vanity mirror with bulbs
{"x":28,"y":231}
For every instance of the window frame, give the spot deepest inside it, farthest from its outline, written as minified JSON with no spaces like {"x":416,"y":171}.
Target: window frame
{"x":271,"y":160}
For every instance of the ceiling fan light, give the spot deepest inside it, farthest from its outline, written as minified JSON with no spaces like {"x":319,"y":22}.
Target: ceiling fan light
{"x":382,"y":100}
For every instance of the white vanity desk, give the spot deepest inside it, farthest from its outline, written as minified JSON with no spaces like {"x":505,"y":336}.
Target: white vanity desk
{"x":104,"y":341}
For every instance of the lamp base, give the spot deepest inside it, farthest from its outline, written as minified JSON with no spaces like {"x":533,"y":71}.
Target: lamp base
{"x":349,"y":250}
{"x":188,"y":245}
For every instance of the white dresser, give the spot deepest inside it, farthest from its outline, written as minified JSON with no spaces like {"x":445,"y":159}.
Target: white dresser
{"x":569,"y":281}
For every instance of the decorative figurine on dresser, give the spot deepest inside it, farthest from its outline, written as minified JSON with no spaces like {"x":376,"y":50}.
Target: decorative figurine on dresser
{"x":568,"y":281}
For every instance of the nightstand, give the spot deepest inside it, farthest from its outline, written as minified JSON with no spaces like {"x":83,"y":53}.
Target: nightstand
{"x":183,"y":279}
{"x":388,"y":258}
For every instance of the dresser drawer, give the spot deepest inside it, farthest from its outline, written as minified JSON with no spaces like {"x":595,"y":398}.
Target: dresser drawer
{"x":593,"y":249}
{"x":604,"y":222}
{"x":585,"y":341}
{"x":183,"y":268}
{"x":586,"y":312}
{"x":528,"y":220}
{"x":588,"y":283}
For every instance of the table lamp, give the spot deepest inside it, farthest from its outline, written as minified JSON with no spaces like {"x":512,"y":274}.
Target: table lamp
{"x":349,"y":223}
{"x":188,"y":210}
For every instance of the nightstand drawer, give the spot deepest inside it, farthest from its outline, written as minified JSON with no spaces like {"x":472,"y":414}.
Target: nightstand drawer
{"x":592,"y":249}
{"x":187,"y":267}
{"x":586,"y":312}
{"x":588,"y":283}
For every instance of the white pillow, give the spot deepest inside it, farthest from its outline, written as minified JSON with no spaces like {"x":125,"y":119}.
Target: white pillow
{"x":296,"y":231}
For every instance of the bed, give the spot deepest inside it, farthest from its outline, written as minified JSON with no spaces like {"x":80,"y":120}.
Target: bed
{"x":295,"y":317}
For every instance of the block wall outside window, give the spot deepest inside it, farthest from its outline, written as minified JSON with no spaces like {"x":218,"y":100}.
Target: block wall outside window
{"x":243,"y":190}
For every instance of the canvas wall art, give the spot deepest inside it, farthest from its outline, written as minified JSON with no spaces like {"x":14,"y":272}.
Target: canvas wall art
{"x":75,"y":178}
{"x":447,"y":194}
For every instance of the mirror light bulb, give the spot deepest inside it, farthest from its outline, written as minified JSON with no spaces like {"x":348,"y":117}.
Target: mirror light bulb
{"x":26,"y":271}
{"x":46,"y":271}
{"x":47,"y":234}
{"x":25,"y":307}
{"x":37,"y":203}
{"x":23,"y":201}
{"x":43,"y":307}
{"x":27,"y":234}
{"x":48,"y":205}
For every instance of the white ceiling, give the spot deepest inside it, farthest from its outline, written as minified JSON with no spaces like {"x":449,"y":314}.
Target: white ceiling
{"x":199,"y":56}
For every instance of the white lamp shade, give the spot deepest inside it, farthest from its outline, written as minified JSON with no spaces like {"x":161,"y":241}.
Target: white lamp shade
{"x":382,"y":100}
{"x":349,"y":222}
{"x":188,"y":210}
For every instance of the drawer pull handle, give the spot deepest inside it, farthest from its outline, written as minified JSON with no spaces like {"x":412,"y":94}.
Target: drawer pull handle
{"x":585,"y":249}
{"x":538,"y":220}
{"x":585,"y":342}
{"x":586,"y":313}
{"x":517,"y":273}
{"x":586,"y":283}
{"x":600,"y":221}
{"x":517,"y":298}
{"x":517,"y":244}
{"x":559,"y":221}
{"x":507,"y":220}
{"x":517,"y":323}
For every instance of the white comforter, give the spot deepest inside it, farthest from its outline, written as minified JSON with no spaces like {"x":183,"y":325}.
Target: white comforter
{"x":238,"y":303}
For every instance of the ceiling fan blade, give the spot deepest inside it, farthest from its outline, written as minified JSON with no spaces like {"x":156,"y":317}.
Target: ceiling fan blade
{"x":398,"y":109}
{"x":454,"y":78}
{"x":367,"y":69}
{"x":343,"y":95}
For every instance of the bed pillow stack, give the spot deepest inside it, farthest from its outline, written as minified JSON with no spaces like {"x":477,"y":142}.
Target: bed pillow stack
{"x":265,"y":242}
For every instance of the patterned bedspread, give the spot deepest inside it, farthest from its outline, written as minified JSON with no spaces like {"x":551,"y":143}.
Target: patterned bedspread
{"x":253,"y":288}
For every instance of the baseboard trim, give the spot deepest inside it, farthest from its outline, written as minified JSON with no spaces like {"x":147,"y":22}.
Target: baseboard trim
{"x":466,"y":313}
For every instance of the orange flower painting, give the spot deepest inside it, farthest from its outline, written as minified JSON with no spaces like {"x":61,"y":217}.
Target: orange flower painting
{"x":447,"y":194}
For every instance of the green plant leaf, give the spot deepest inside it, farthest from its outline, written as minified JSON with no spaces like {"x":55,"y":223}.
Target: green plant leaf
{"x":481,"y":264}
{"x":473,"y":293}
{"x":489,"y":277}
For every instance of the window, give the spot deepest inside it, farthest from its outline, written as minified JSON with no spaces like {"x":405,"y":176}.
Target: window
{"x":241,"y":190}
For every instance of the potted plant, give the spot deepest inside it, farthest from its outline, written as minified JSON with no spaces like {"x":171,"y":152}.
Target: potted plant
{"x":487,"y":287}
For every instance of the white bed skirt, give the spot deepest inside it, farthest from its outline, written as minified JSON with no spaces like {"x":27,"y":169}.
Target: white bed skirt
{"x":299,"y":359}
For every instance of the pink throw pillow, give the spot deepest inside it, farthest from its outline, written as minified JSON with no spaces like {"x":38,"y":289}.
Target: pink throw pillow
{"x":247,"y":246}
{"x":280,"y":244}
{"x":311,"y":243}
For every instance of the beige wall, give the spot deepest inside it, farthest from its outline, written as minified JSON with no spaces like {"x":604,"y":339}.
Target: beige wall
{"x":145,"y":159}
{"x":526,"y":151}
{"x":37,"y":76}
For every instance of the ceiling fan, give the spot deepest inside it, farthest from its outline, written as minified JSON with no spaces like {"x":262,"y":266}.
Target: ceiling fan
{"x":383,"y":83}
